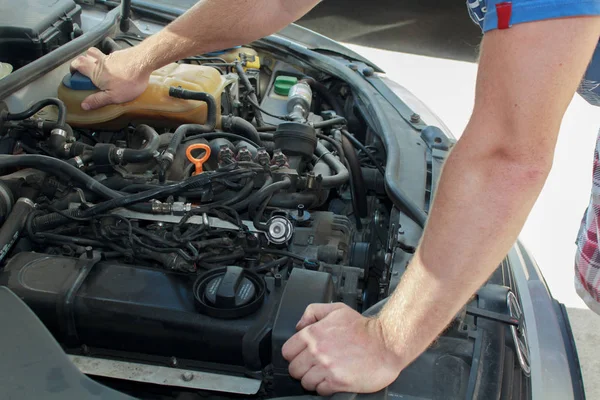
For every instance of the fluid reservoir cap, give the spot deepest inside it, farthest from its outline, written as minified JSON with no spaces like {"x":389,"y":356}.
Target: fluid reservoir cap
{"x":230,"y":292}
{"x":78,"y":81}
{"x":283,"y":84}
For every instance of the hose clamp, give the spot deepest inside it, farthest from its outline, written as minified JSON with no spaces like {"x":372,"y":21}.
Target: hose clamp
{"x":167,"y":156}
{"x":78,"y":161}
{"x":59,"y":132}
{"x":119,"y":155}
{"x":26,"y":201}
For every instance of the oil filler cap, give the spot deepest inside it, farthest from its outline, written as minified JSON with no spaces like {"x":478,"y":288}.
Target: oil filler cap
{"x":230,"y":292}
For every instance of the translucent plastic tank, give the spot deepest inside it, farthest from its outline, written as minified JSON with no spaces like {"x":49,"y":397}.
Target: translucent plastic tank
{"x":154,"y":106}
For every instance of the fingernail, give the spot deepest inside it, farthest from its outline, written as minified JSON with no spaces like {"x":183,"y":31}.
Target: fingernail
{"x":85,"y":106}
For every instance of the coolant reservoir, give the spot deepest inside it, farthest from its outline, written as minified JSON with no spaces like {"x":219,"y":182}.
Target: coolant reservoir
{"x":154,"y":106}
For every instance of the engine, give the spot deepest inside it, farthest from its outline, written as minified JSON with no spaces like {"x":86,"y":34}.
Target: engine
{"x":195,"y":224}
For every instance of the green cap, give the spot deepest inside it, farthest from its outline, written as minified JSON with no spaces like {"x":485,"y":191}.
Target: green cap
{"x":284,"y":83}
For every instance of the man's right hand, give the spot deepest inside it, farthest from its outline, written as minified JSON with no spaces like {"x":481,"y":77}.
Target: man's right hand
{"x":118,"y":76}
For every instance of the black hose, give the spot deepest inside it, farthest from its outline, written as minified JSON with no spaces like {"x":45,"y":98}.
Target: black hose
{"x":341,"y":172}
{"x":241,"y":127}
{"x":182,"y":132}
{"x":251,"y":93}
{"x":263,"y":196}
{"x":242,"y":194}
{"x":109,"y":46}
{"x":330,"y":122}
{"x":362,"y":147}
{"x":359,"y":194}
{"x":325,"y":94}
{"x":11,"y":229}
{"x":131,"y":156}
{"x":62,"y":111}
{"x":53,"y":166}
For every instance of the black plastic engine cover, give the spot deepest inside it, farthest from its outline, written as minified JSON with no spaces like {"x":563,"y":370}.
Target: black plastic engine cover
{"x":32,"y":28}
{"x":134,"y":309}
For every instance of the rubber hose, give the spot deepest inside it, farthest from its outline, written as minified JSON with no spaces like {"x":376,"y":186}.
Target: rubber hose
{"x":241,"y":127}
{"x":62,"y":111}
{"x":132,"y":156}
{"x":325,"y":94}
{"x":242,"y":205}
{"x":341,"y":172}
{"x":330,"y":122}
{"x":109,"y":46}
{"x":359,"y":194}
{"x":251,"y":93}
{"x":263,"y":197}
{"x":11,"y":229}
{"x":182,"y":132}
{"x":53,"y":166}
{"x":242,"y":194}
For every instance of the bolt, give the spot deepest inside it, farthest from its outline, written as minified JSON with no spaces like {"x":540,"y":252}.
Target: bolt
{"x":368,"y":71}
{"x":415,"y":118}
{"x":187,"y":376}
{"x":353,"y":67}
{"x":300,"y":210}
{"x":173,"y":362}
{"x":89,"y":252}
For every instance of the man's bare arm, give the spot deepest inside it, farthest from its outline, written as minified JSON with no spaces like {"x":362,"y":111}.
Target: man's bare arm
{"x":207,"y":26}
{"x":527,"y":77}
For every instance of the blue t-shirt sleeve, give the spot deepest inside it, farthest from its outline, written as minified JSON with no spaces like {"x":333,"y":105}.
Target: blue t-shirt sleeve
{"x":484,"y":13}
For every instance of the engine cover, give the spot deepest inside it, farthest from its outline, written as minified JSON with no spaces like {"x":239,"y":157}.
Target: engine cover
{"x":140,"y":310}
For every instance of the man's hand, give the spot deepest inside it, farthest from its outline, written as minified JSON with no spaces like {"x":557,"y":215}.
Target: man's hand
{"x":338,"y":350}
{"x":117,"y":75}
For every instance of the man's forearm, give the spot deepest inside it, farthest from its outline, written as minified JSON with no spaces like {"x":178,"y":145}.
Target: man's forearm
{"x":479,"y":210}
{"x":217,"y":24}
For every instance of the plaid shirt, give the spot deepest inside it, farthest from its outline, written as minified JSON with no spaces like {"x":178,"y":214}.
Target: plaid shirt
{"x":587,"y":258}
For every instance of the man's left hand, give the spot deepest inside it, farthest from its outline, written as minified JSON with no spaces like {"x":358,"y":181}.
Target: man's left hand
{"x":338,"y":350}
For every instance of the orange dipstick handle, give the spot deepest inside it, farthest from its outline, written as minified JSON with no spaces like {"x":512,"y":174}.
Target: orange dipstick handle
{"x":198,"y":162}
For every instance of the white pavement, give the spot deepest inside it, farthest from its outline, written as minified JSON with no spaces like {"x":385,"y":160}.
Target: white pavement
{"x":448,"y":88}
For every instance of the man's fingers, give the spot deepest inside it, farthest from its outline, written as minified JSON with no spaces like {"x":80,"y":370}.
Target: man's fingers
{"x":301,"y":364}
{"x":83,"y":64}
{"x":96,"y":100}
{"x":324,"y":388}
{"x":95,"y":53}
{"x":294,"y":346}
{"x":313,"y":378}
{"x":316,"y":312}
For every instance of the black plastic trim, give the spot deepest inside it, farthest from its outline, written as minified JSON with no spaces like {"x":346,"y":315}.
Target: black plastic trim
{"x":47,"y":63}
{"x":571,"y":348}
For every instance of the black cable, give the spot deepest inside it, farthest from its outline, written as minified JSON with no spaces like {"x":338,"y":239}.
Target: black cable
{"x":282,"y":253}
{"x":256,"y":106}
{"x":278,"y":263}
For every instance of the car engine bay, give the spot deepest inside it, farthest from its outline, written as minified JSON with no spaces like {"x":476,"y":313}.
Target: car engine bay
{"x":182,"y":235}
